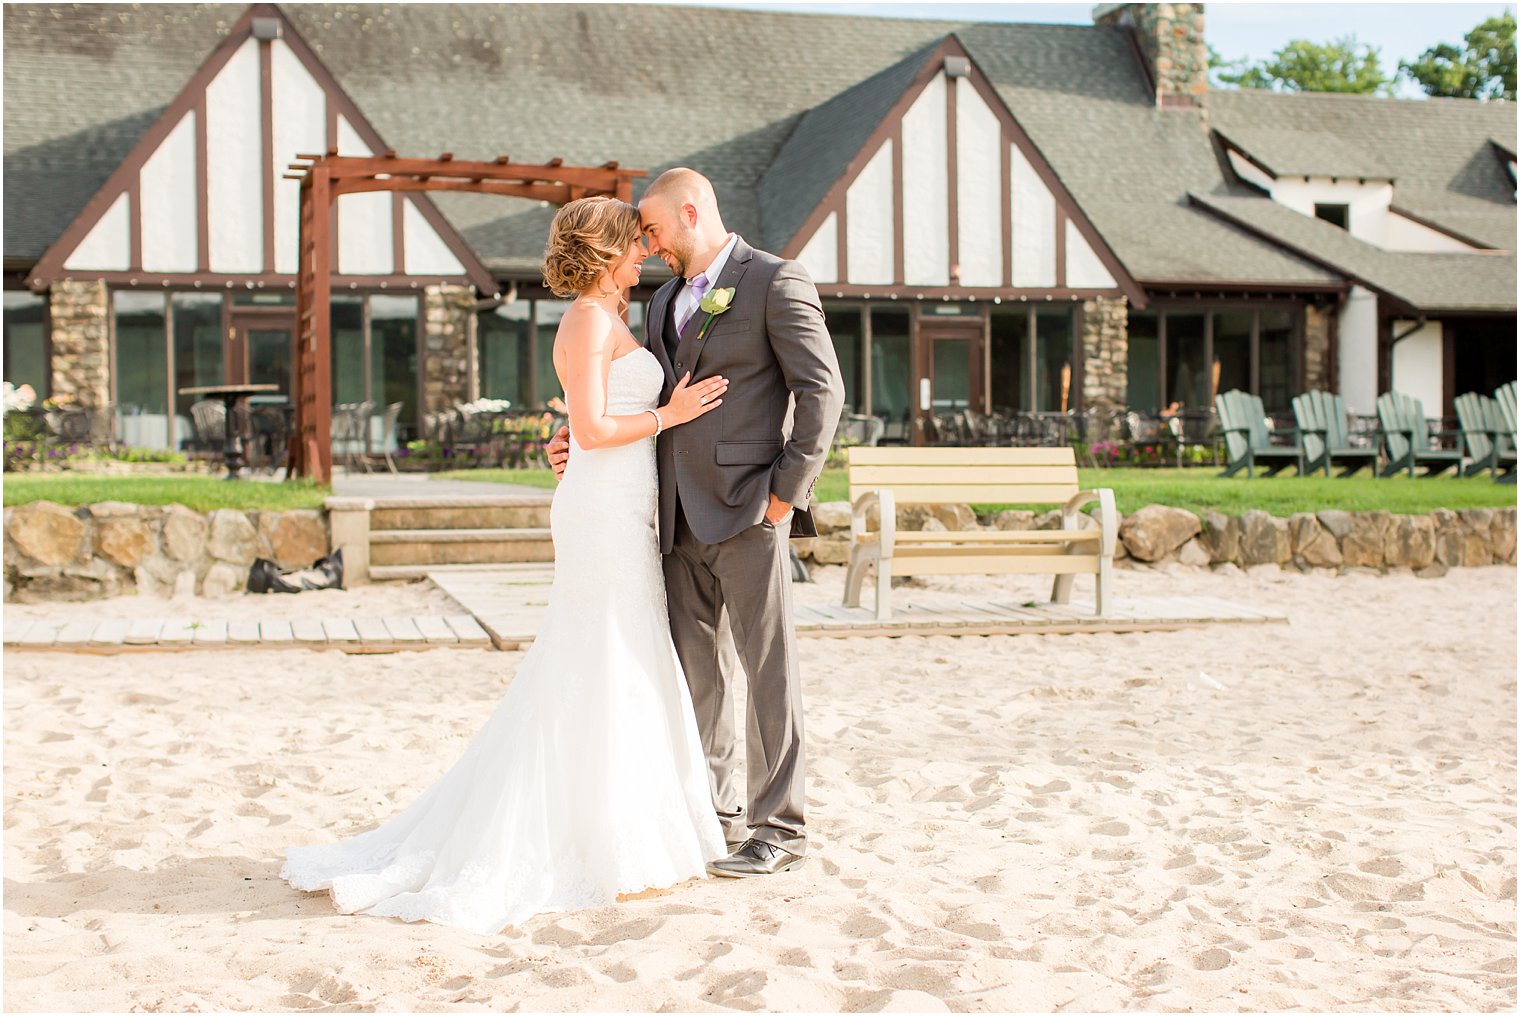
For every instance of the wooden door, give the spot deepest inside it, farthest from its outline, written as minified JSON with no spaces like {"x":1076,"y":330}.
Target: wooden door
{"x":950,"y":366}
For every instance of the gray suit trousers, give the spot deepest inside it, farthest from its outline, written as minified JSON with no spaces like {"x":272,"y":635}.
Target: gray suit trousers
{"x":737,"y":594}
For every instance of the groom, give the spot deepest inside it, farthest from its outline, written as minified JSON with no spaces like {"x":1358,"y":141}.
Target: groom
{"x":734,"y":484}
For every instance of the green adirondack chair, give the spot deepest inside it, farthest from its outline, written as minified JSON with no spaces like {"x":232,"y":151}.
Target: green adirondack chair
{"x":1248,"y":440}
{"x":1324,"y":437}
{"x":1489,"y":442}
{"x":1504,"y":399}
{"x":1407,"y":439}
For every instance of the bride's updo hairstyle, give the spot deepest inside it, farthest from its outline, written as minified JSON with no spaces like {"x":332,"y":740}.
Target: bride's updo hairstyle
{"x":586,"y":239}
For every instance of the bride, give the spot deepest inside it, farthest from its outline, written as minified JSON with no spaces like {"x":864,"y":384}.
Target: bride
{"x":589,"y":780}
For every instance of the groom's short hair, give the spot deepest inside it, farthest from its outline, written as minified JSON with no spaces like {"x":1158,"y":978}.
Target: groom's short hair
{"x":682,"y":185}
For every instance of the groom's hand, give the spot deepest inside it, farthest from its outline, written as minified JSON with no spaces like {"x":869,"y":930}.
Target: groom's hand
{"x":776,"y":510}
{"x":558,"y":452}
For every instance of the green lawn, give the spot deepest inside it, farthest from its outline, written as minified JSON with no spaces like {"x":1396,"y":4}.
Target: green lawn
{"x":200,"y":493}
{"x":1199,"y":490}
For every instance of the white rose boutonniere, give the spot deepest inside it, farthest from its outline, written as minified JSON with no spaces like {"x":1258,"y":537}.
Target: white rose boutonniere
{"x":714,"y":303}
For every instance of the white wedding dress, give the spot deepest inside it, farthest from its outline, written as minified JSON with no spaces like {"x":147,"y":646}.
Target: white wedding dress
{"x":589,"y":779}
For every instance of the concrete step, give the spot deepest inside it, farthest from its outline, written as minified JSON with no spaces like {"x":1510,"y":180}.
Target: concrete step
{"x":458,"y":546}
{"x":499,"y":512}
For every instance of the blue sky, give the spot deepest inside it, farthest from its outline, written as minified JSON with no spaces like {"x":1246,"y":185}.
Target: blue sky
{"x":1254,"y":31}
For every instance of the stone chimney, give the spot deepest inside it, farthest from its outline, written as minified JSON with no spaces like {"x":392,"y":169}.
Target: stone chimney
{"x":1169,"y":43}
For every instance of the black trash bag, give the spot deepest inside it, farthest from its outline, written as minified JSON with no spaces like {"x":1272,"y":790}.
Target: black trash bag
{"x":326,"y":573}
{"x":800,"y":571}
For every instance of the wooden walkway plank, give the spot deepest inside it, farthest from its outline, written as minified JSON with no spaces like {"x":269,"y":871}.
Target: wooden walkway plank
{"x":307,"y":630}
{"x":467,"y":630}
{"x":144,"y":631}
{"x":16,"y":631}
{"x":211,"y":633}
{"x":177,"y":632}
{"x":403,"y":629}
{"x":110,"y":632}
{"x":75,"y":634}
{"x":435,"y":630}
{"x":244,"y":632}
{"x":372,"y":631}
{"x":276,"y":632}
{"x":340,"y":629}
{"x":41,"y":633}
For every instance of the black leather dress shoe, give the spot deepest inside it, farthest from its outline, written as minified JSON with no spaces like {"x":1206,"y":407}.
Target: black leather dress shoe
{"x":754,"y":858}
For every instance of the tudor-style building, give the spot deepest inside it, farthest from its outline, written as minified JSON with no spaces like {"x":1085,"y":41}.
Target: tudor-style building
{"x":998,"y":216}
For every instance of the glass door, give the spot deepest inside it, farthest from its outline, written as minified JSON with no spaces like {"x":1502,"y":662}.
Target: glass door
{"x":950,"y":381}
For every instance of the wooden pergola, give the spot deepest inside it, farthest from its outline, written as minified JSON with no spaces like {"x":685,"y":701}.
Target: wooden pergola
{"x":324,"y":178}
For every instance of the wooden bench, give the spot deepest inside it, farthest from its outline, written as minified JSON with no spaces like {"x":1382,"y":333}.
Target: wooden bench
{"x":886,"y":477}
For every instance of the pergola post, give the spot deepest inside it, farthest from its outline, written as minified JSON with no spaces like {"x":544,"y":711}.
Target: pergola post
{"x":323,"y":178}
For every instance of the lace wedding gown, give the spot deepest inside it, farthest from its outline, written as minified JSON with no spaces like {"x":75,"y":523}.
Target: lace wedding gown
{"x":589,"y":779}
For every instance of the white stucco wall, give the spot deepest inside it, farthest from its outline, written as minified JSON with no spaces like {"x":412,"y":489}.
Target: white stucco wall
{"x":821,"y":255}
{"x":1369,"y":201}
{"x":1249,"y":173}
{"x":1083,"y":269}
{"x":1417,"y":364}
{"x":365,"y":236}
{"x":1358,"y":351}
{"x":170,"y":214}
{"x":1034,"y":226}
{"x":979,"y":186}
{"x":926,"y":189}
{"x":107,"y":247}
{"x":234,"y":164}
{"x":426,"y":253}
{"x":300,"y":125}
{"x":870,"y":225}
{"x":1407,"y":235}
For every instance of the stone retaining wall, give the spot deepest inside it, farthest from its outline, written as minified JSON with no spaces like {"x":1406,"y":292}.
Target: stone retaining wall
{"x":54,"y":552}
{"x":1428,"y":544}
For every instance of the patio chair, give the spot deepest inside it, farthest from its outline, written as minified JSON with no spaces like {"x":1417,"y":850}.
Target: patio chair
{"x":1490,"y":444}
{"x":1248,"y":439}
{"x":386,"y":440}
{"x":1407,"y":438}
{"x":1149,"y":430}
{"x":1325,"y":438}
{"x":1194,"y":428}
{"x":210,"y":419}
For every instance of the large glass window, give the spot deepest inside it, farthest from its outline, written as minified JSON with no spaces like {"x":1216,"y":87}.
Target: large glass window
{"x":1232,"y":353}
{"x":1275,"y":348}
{"x":1186,"y":380}
{"x":26,"y":346}
{"x":844,"y":327}
{"x":1055,"y":367}
{"x":1008,"y":357}
{"x":892,"y":370}
{"x":347,"y":348}
{"x":1144,"y":366}
{"x":142,"y":370}
{"x":546,"y":380}
{"x":393,"y":355}
{"x":504,"y":338}
{"x":198,"y":350}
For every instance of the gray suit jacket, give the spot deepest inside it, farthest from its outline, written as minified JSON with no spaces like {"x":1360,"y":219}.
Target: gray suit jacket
{"x":773,"y":347}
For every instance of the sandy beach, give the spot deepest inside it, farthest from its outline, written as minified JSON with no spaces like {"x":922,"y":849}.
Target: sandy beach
{"x":1316,"y":815}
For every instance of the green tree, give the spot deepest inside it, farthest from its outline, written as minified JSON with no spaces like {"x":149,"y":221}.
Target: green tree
{"x":1482,"y":68}
{"x":1341,"y":65}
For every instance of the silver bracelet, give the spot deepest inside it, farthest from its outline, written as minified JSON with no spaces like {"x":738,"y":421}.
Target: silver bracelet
{"x":659,"y":424}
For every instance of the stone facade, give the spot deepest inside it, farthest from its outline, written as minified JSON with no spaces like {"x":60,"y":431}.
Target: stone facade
{"x":1105,"y":356}
{"x":448,"y":321}
{"x":1317,"y":366}
{"x":1171,"y":38}
{"x":80,"y":315}
{"x":53,"y":552}
{"x":1428,"y":544}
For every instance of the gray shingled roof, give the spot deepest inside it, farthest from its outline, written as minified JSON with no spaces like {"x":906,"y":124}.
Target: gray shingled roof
{"x":1426,"y":282}
{"x":1306,"y":152}
{"x":1438,"y":149}
{"x":763,"y":105}
{"x":821,"y":146}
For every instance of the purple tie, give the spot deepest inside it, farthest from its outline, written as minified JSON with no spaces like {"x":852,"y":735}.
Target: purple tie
{"x":698,"y":290}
